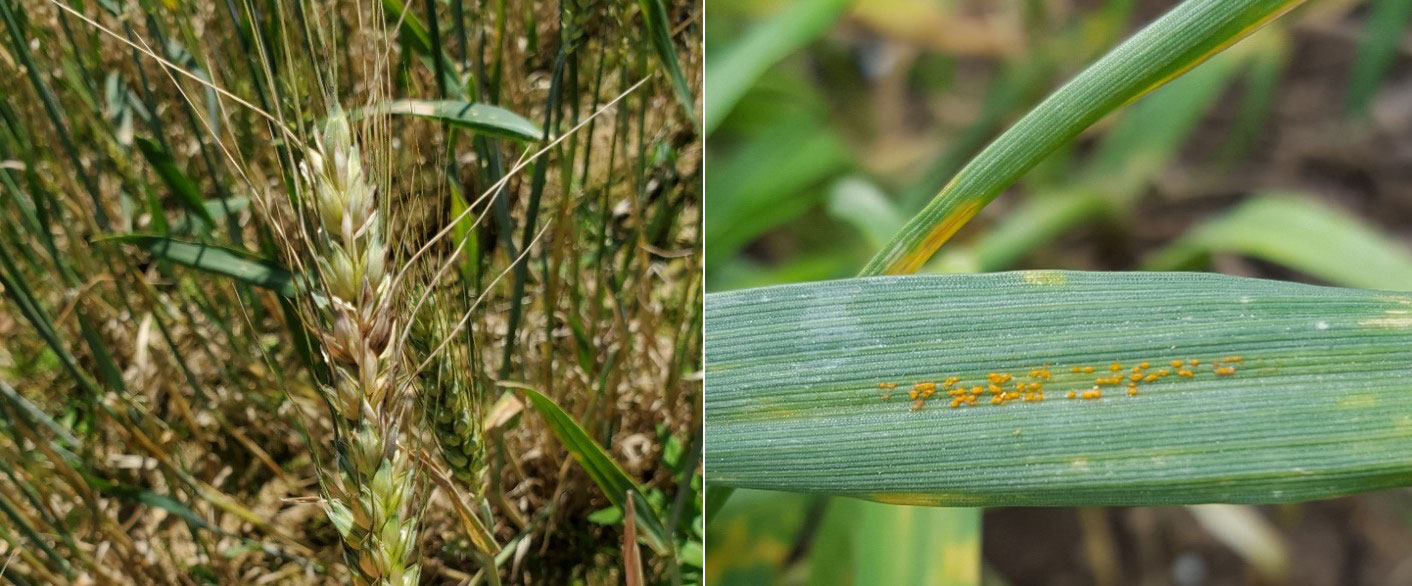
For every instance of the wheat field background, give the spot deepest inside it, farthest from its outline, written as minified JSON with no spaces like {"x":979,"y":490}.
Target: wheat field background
{"x":350,"y":292}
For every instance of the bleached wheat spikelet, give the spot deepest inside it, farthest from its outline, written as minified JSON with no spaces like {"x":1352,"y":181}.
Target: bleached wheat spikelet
{"x":370,"y":494}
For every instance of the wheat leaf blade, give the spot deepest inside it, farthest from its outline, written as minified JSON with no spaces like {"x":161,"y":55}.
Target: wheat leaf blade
{"x":1181,"y":39}
{"x":1275,"y":227}
{"x":1377,"y":51}
{"x":659,"y":31}
{"x":1317,"y":407}
{"x":606,"y":473}
{"x":482,"y":118}
{"x":219,"y":260}
{"x":739,"y":66}
{"x":175,"y":179}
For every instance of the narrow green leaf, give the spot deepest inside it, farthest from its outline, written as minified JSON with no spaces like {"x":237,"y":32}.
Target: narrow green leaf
{"x":1278,"y":228}
{"x":175,"y":179}
{"x":1317,"y":408}
{"x":768,"y":183}
{"x":1377,"y":48}
{"x":218,"y":209}
{"x":414,"y":35}
{"x":1141,"y":145}
{"x":33,"y":535}
{"x":860,"y":542}
{"x":482,"y":118}
{"x":610,"y":478}
{"x":737,"y":68}
{"x":916,"y":545}
{"x":659,"y":31}
{"x":152,"y":499}
{"x":864,"y":206}
{"x":1176,"y":42}
{"x":241,"y":266}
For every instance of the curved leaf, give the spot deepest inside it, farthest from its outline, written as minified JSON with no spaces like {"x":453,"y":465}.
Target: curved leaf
{"x":1276,"y":228}
{"x":611,"y":479}
{"x":738,"y":67}
{"x":1317,"y":407}
{"x":659,"y":31}
{"x":241,"y":266}
{"x":482,"y":118}
{"x":1176,"y":42}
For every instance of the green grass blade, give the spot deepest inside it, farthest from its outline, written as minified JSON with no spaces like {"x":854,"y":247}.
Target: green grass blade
{"x":860,"y":542}
{"x":1277,"y":228}
{"x":1317,"y":409}
{"x":241,"y":266}
{"x":1142,"y":144}
{"x":659,"y":31}
{"x":610,"y":478}
{"x":1377,"y":48}
{"x":737,"y":68}
{"x":916,"y":545}
{"x":767,"y":184}
{"x":482,"y":118}
{"x":30,"y":533}
{"x":1176,"y":42}
{"x":861,"y":204}
{"x":413,"y":34}
{"x":175,"y":179}
{"x":219,"y":209}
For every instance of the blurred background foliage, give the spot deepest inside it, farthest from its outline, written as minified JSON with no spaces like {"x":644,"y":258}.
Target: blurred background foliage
{"x":831,"y":122}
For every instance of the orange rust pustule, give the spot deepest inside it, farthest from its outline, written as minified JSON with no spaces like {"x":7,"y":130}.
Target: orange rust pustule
{"x":1032,"y":390}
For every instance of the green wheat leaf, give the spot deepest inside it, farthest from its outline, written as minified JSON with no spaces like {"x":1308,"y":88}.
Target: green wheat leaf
{"x":482,"y":118}
{"x":606,"y":473}
{"x":1318,"y":406}
{"x":1276,"y":227}
{"x":659,"y":30}
{"x":175,"y":179}
{"x":1184,"y":37}
{"x":241,"y":266}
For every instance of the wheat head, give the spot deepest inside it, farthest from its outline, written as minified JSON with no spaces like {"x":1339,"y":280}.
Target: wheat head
{"x":370,"y":494}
